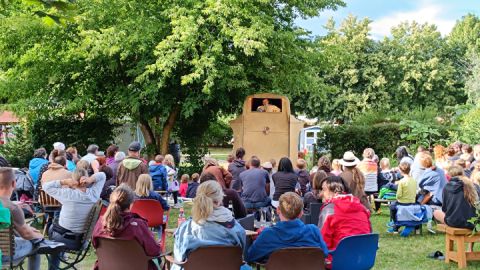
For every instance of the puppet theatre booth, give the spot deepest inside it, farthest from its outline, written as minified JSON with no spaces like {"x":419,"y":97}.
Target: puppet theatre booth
{"x":266,"y":128}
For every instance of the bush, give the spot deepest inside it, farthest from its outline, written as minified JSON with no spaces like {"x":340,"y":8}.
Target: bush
{"x":467,"y":130}
{"x":18,"y":150}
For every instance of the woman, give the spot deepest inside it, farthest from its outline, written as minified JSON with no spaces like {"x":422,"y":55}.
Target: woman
{"x":210,"y":224}
{"x":111,"y":151}
{"x":314,"y":195}
{"x":119,"y":223}
{"x":353,"y":177}
{"x":403,"y":155}
{"x":223,"y":177}
{"x":77,"y":196}
{"x":432,"y":182}
{"x":439,"y":153}
{"x":36,"y":164}
{"x":459,"y":198}
{"x":342,"y":214}
{"x":285,"y":179}
{"x":336,"y":167}
{"x":369,"y":168}
{"x":119,"y":157}
{"x":144,"y":190}
{"x":172,"y":174}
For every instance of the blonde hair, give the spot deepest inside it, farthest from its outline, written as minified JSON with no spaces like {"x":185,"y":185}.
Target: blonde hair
{"x":209,"y":195}
{"x":385,"y":163}
{"x":144,"y":185}
{"x":290,"y":205}
{"x":439,"y":152}
{"x":301,"y":164}
{"x":168,"y":160}
{"x":475,"y":177}
{"x":469,"y":191}
{"x":336,"y":165}
{"x":368,"y":153}
{"x":185,"y":178}
{"x":426,"y":160}
{"x":120,"y":200}
{"x":78,"y":173}
{"x":83,"y":164}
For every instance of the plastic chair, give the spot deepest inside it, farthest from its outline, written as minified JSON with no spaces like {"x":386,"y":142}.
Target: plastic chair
{"x":248,"y":222}
{"x":355,"y":252}
{"x":305,"y":258}
{"x":211,"y":258}
{"x":152,"y":211}
{"x":121,"y":255}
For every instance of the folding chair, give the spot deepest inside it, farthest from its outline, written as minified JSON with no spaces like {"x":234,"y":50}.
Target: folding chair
{"x":121,"y":255}
{"x":152,"y":211}
{"x":73,"y":257}
{"x":211,"y":258}
{"x":305,"y":258}
{"x":355,"y":252}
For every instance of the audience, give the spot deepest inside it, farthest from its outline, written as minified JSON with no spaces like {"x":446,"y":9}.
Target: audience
{"x":314,"y":195}
{"x":223,"y":177}
{"x":119,"y":223}
{"x":403,"y":155}
{"x":303,"y":176}
{"x":36,"y":164}
{"x":432,"y":182}
{"x":253,"y":183}
{"x":210,"y":224}
{"x":459,"y":198}
{"x":25,"y":234}
{"x":56,"y":170}
{"x":118,"y":158}
{"x":144,"y":190}
{"x":285,"y":179}
{"x":109,"y":185}
{"x":112,"y":150}
{"x":236,"y":168}
{"x":77,"y":196}
{"x":289,"y":232}
{"x":184,"y":185}
{"x":336,"y":167}
{"x":193,"y":185}
{"x":353,"y":177}
{"x":158,"y":172}
{"x":369,"y":169}
{"x":131,"y":167}
{"x":342,"y":214}
{"x":386,"y":175}
{"x":231,"y":197}
{"x":172,"y":174}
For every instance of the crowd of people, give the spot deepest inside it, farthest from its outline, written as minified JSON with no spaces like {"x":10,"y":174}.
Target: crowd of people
{"x":447,"y":182}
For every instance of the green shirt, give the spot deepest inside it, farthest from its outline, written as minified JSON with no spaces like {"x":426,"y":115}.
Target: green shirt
{"x":407,"y":190}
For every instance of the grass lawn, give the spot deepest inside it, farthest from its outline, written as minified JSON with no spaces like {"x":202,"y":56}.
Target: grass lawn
{"x":394,"y":252}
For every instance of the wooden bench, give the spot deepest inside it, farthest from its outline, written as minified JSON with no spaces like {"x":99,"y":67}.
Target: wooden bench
{"x":459,"y":237}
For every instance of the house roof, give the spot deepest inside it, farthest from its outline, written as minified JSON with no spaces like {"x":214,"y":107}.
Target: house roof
{"x":7,"y":117}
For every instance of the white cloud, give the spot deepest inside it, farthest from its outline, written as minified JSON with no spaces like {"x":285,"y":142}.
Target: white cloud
{"x":427,"y":12}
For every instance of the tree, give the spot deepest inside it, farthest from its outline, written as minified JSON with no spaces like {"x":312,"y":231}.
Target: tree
{"x":160,"y":64}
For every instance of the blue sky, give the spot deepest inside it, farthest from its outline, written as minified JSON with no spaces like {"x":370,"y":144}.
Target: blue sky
{"x":388,"y":13}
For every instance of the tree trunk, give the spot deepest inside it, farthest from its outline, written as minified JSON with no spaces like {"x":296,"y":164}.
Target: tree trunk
{"x":168,"y":127}
{"x":148,"y":134}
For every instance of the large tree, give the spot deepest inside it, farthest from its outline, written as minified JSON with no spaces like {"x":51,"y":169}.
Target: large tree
{"x":159,"y":63}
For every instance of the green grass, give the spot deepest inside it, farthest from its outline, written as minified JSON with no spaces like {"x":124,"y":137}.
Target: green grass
{"x":394,"y":252}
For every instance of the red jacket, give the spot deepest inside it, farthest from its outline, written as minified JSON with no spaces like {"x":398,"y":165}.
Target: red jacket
{"x":134,"y":227}
{"x":343,"y":216}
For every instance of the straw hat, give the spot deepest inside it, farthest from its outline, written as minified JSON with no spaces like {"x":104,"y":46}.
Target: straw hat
{"x":349,"y":159}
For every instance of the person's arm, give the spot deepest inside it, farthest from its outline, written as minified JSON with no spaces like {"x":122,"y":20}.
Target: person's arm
{"x":238,"y":206}
{"x":59,"y":193}
{"x":28,"y":233}
{"x":227,"y":177}
{"x":95,"y":166}
{"x":97,"y":181}
{"x":146,"y":239}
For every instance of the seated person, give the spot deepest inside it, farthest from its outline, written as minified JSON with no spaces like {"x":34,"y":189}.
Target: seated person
{"x":406,"y":193}
{"x":193,"y":185}
{"x":118,"y":222}
{"x":289,"y":232}
{"x":144,"y":190}
{"x":342,"y":214}
{"x":23,"y":245}
{"x":386,"y":176}
{"x":254,"y":185}
{"x":230,"y":197}
{"x":210,"y":224}
{"x":266,"y":107}
{"x":459,"y":197}
{"x":303,"y":176}
{"x":77,"y":195}
{"x":431,"y":183}
{"x":314,"y":195}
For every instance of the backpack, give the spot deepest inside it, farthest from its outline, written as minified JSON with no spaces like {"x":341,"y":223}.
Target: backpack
{"x":24,"y":183}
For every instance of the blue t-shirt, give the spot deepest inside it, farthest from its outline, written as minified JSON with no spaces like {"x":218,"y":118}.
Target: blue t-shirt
{"x":155,"y":196}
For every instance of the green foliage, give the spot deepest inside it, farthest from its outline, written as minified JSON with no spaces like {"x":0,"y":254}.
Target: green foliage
{"x":417,"y":134}
{"x":72,"y":131}
{"x":476,"y":219}
{"x":468,"y":124}
{"x":18,"y":150}
{"x":218,"y":133}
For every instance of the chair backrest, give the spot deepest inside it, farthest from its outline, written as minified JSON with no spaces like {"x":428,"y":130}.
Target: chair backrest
{"x":248,"y":222}
{"x":314,"y":212}
{"x":151,"y":210}
{"x":356,"y":252}
{"x":215,"y":258}
{"x":46,"y":200}
{"x":92,"y":220}
{"x":121,"y":255}
{"x":305,"y":258}
{"x":7,"y":243}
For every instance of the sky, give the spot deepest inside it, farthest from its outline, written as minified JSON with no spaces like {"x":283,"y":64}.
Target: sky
{"x":388,"y":13}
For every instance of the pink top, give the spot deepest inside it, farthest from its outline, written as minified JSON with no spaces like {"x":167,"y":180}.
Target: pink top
{"x":183,"y":189}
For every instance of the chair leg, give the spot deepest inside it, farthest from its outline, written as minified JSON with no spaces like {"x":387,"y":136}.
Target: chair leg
{"x":448,"y":248}
{"x":461,"y":255}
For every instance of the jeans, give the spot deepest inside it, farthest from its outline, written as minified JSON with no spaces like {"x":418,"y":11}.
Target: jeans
{"x":23,"y":248}
{"x":256,"y":205}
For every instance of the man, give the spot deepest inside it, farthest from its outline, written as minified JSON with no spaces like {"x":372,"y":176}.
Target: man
{"x":237,"y":167}
{"x":56,"y":170}
{"x":131,"y":167}
{"x":23,"y":244}
{"x":266,"y":107}
{"x":92,"y":152}
{"x":254,"y":185}
{"x":289,"y":232}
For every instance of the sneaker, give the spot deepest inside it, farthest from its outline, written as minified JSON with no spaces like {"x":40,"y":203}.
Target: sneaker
{"x":390,"y":224}
{"x":392,"y":230}
{"x":177,"y":206}
{"x":430,"y":227}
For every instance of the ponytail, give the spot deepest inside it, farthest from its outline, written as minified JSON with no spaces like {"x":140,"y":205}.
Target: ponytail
{"x":209,"y":194}
{"x":469,"y":191}
{"x":358,"y":179}
{"x":120,"y":200}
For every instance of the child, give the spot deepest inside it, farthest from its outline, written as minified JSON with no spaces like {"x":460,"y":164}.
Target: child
{"x":144,"y":190}
{"x":184,"y":185}
{"x":289,"y":232}
{"x":386,"y":175}
{"x":303,"y":176}
{"x":193,"y":185}
{"x":158,"y":172}
{"x":336,"y":167}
